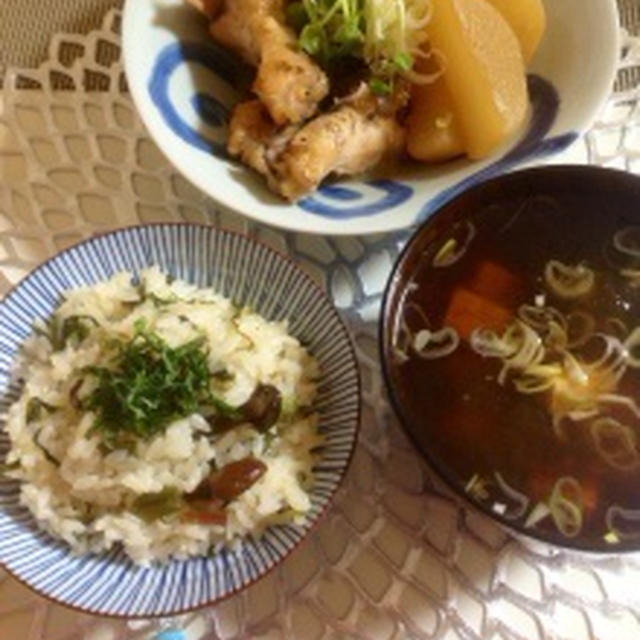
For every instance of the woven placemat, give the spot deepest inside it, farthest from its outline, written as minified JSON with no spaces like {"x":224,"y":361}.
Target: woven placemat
{"x":26,"y":26}
{"x":397,"y":557}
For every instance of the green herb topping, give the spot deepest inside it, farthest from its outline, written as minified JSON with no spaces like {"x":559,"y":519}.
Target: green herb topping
{"x":328,"y":29}
{"x":59,"y":332}
{"x":384,"y":34}
{"x":35,"y":407}
{"x":153,"y":506}
{"x":148,"y":385}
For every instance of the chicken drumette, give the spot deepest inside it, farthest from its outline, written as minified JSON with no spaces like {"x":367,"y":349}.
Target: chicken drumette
{"x":288,"y":82}
{"x":279,"y":133}
{"x":350,"y":138}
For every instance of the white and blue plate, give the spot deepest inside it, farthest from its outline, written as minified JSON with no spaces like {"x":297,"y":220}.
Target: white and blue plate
{"x":248,"y":272}
{"x":183,"y":86}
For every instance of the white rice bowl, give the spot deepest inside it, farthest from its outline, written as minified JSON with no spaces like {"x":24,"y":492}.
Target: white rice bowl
{"x":82,"y":494}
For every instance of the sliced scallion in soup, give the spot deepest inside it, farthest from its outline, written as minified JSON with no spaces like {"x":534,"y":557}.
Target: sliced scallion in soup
{"x":519,"y":348}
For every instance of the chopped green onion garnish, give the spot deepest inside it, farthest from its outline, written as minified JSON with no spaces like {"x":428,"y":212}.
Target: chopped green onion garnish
{"x":611,"y":537}
{"x":403,"y":61}
{"x":380,"y":87}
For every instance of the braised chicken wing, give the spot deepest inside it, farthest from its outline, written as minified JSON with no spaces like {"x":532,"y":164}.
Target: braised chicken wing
{"x":351,"y":138}
{"x":288,"y":82}
{"x":345,"y":141}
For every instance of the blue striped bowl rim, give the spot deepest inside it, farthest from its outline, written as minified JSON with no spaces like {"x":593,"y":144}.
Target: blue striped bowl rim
{"x":248,"y":272}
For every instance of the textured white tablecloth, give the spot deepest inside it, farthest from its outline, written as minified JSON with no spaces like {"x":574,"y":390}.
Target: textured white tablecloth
{"x":398,"y":556}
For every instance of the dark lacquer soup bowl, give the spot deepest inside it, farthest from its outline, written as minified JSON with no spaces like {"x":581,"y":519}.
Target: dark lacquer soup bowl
{"x":511,"y":350}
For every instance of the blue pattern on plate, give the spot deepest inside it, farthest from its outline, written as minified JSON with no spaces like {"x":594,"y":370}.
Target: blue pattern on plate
{"x":208,"y":107}
{"x":394,"y":193}
{"x":253,"y":275}
{"x":348,"y":201}
{"x":341,"y":193}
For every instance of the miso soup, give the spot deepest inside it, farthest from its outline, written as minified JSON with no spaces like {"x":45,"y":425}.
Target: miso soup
{"x":512,"y":351}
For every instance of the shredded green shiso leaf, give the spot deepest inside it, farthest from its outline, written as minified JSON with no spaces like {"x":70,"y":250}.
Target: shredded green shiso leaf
{"x":35,"y":406}
{"x":60,"y":331}
{"x":149,"y":384}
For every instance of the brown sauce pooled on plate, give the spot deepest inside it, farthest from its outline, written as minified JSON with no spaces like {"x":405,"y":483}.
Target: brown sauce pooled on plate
{"x":512,"y":358}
